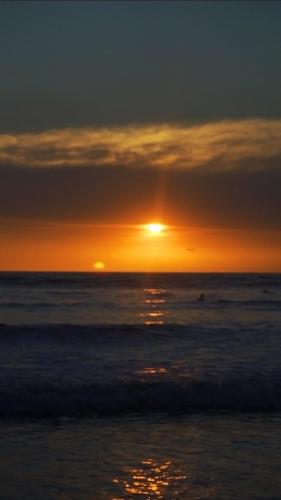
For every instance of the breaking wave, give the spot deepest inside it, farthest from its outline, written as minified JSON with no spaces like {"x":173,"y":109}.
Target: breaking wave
{"x":43,"y":398}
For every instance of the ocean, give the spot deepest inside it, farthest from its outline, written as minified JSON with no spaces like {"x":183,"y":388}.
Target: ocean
{"x":140,"y":386}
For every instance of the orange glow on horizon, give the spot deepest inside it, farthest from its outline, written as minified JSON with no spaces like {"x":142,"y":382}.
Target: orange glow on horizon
{"x":155,"y":197}
{"x":133,"y":248}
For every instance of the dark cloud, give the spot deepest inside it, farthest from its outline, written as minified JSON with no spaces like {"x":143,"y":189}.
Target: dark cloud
{"x":115,"y":194}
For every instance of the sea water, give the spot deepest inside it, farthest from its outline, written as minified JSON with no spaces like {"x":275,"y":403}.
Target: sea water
{"x":123,"y":386}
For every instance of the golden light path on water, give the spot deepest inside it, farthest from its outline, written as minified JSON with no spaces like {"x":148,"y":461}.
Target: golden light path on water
{"x":152,"y":479}
{"x":155,"y":302}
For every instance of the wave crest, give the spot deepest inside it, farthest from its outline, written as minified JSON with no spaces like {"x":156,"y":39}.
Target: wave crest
{"x":258,"y":393}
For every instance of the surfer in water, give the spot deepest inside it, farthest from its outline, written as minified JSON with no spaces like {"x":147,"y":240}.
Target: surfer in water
{"x":201,"y":297}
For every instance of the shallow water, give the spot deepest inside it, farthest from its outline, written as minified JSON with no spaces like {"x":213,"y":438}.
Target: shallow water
{"x":200,"y":456}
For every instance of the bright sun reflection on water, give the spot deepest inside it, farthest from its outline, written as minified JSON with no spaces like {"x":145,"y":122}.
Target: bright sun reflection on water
{"x":152,"y":479}
{"x":152,"y":371}
{"x":155,"y":302}
{"x":154,"y":291}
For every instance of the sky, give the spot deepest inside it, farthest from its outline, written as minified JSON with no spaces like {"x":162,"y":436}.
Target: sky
{"x":118,"y":114}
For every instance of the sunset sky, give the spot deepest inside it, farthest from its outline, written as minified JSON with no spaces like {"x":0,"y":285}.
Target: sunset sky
{"x":115,"y":115}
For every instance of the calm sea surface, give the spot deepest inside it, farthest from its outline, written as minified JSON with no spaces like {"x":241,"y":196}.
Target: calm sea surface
{"x":124,"y":386}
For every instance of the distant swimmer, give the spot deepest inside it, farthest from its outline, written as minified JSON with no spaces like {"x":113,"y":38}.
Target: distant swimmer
{"x":201,"y":297}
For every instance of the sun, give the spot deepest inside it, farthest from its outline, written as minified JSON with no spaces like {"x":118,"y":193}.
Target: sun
{"x":155,"y":228}
{"x":99,"y":265}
